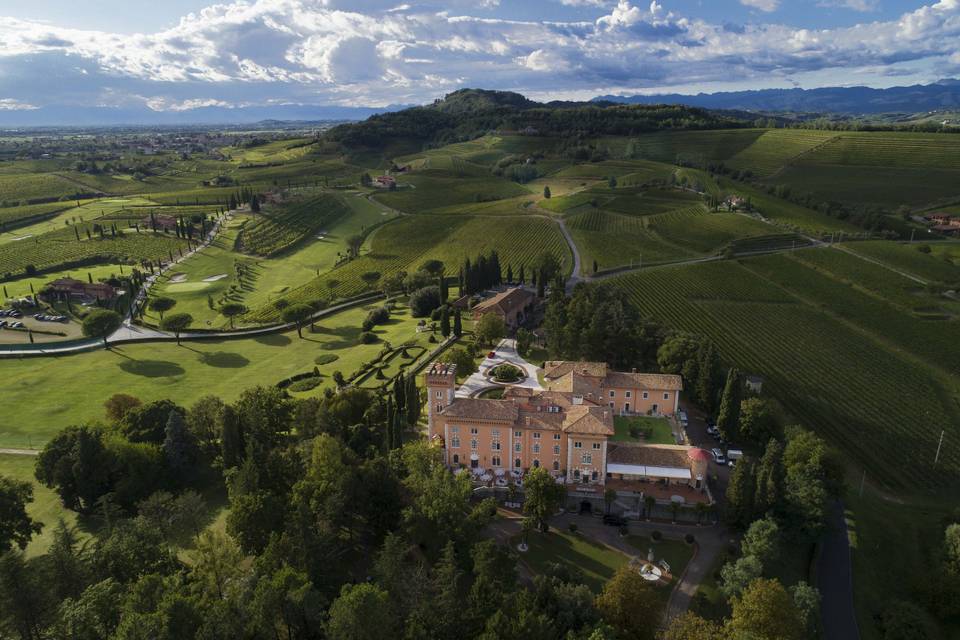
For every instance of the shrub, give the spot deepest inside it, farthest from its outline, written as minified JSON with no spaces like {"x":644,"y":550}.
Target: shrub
{"x":306,"y":384}
{"x":424,"y":301}
{"x":656,"y":536}
{"x":506,"y":373}
{"x":380,"y":315}
{"x":368,"y":337}
{"x":325,"y":358}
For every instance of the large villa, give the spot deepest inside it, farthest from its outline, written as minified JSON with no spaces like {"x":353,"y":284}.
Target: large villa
{"x":568,"y":428}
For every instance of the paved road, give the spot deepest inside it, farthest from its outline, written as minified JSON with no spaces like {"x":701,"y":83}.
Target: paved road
{"x":577,"y":267}
{"x":835,"y":580}
{"x":20,"y":452}
{"x":506,"y":351}
{"x":133,"y":333}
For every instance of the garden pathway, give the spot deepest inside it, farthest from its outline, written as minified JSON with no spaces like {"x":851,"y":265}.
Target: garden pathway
{"x":506,"y":351}
{"x":835,"y":579}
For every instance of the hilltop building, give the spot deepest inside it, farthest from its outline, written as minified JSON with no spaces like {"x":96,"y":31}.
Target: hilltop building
{"x":513,"y":306}
{"x":64,"y":288}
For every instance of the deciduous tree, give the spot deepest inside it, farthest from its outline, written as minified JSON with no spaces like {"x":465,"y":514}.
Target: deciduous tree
{"x":16,"y":526}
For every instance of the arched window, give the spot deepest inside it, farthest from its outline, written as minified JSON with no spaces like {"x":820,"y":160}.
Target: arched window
{"x":556,"y":465}
{"x":516,"y":463}
{"x":536,"y":463}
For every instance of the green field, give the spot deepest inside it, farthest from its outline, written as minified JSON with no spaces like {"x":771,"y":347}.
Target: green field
{"x":698,"y":147}
{"x":942,"y":264}
{"x":422,"y":192}
{"x":886,"y":187}
{"x":404,"y":244}
{"x":778,"y":147}
{"x":659,"y":429}
{"x":45,"y":508}
{"x":44,"y":395}
{"x":827,"y":354}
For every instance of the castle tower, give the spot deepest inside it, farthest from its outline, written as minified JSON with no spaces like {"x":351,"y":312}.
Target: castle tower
{"x":440,"y":381}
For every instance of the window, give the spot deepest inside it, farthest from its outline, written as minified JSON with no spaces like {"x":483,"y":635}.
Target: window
{"x":536,"y":435}
{"x":556,"y":449}
{"x":556,"y":465}
{"x":517,"y":447}
{"x":611,"y":405}
{"x":556,"y":436}
{"x":439,"y":394}
{"x":594,"y":475}
{"x":536,"y":448}
{"x":666,"y":396}
{"x":495,"y":461}
{"x":516,"y":463}
{"x":456,"y":458}
{"x":645,"y":395}
{"x":577,"y":445}
{"x":439,"y":408}
{"x":455,"y":442}
{"x":596,"y":445}
{"x":628,"y":394}
{"x":495,"y":433}
{"x":587,"y":458}
{"x":495,"y":445}
{"x":518,"y":434}
{"x":536,"y":463}
{"x":473,"y":444}
{"x":576,"y":473}
{"x":613,"y":394}
{"x":474,"y":431}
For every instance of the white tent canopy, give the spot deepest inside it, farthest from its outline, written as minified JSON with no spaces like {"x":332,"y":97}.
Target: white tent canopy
{"x":649,"y":471}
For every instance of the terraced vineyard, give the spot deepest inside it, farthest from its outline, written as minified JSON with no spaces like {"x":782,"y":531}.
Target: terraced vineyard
{"x":776,"y":148}
{"x":23,"y":189}
{"x":705,"y":232}
{"x":404,"y":244}
{"x":279,"y":227}
{"x":15,"y":216}
{"x":435,"y":191}
{"x":889,"y":149}
{"x":833,"y":373}
{"x":57,"y":248}
{"x":614,"y":240}
{"x":929,"y":266}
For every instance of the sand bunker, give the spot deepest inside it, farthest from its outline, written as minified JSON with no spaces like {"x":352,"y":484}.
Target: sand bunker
{"x":215,"y":278}
{"x":178,"y":277}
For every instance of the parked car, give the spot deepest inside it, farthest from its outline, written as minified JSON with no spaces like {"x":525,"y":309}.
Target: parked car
{"x":17,"y":325}
{"x":614,"y":521}
{"x":3,"y":323}
{"x":718,"y":456}
{"x":733,"y":455}
{"x":492,"y":355}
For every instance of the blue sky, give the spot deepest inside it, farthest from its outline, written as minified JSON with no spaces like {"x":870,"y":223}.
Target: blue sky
{"x":181,"y":54}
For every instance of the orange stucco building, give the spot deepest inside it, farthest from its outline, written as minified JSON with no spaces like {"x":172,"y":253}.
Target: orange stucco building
{"x":565,"y":428}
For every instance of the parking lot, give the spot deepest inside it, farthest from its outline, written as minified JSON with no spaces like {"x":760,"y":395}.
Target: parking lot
{"x":697,"y":434}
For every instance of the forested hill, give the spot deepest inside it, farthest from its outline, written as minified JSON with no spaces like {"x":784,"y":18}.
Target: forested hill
{"x":469,"y":113}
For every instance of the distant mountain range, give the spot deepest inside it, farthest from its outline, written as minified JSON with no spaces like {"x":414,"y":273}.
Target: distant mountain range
{"x":53,"y":116}
{"x":853,"y":101}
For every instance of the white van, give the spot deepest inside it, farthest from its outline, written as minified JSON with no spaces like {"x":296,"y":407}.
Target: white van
{"x":733,"y":455}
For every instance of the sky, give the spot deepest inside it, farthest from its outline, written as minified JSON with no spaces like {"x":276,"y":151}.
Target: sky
{"x":182,"y":54}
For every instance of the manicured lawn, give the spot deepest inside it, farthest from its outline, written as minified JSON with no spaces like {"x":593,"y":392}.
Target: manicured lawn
{"x":269,"y":278}
{"x":660,"y":432}
{"x":43,"y":395}
{"x":597,"y":562}
{"x":45,"y":507}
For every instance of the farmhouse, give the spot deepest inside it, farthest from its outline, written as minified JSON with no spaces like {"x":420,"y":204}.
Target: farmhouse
{"x":385,"y":182}
{"x":513,"y":305}
{"x":64,"y":288}
{"x":565,"y":429}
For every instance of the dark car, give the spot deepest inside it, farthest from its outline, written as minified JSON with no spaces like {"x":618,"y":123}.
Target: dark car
{"x":614,"y":521}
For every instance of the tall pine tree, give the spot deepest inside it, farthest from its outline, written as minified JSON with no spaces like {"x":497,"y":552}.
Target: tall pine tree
{"x":728,"y":419}
{"x":445,"y":321}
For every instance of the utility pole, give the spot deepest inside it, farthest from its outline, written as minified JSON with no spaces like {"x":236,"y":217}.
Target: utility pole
{"x":940,"y":444}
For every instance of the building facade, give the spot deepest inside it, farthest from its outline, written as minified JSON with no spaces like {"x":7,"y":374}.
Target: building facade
{"x":566,"y":430}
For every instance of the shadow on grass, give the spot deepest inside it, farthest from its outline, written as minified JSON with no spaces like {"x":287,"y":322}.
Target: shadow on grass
{"x":274,"y":340}
{"x":152,"y":368}
{"x":224,"y":360}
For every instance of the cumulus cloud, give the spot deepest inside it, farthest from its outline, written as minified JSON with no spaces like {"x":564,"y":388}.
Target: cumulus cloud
{"x":11,"y":104}
{"x":376,"y":52}
{"x":762,"y":5}
{"x":863,"y":6}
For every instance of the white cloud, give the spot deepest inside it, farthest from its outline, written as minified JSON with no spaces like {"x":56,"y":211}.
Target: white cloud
{"x":10,"y":104}
{"x":321,"y":52}
{"x":863,"y":6}
{"x":762,"y":5}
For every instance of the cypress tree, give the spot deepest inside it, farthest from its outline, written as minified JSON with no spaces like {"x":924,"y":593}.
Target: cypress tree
{"x":770,"y":476}
{"x":388,"y":430}
{"x":445,"y":321}
{"x":521,"y":278}
{"x":413,"y":401}
{"x":398,"y":393}
{"x":728,"y":419}
{"x":177,"y":447}
{"x":457,"y":324}
{"x":541,"y":285}
{"x":740,"y":495}
{"x":706,"y":387}
{"x":509,"y":273}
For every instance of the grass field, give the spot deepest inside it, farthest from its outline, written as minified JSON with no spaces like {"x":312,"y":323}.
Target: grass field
{"x":595,"y":561}
{"x":659,"y":429}
{"x":45,"y":508}
{"x":44,"y":395}
{"x":23,"y":188}
{"x":826,"y":354}
{"x":404,"y":244}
